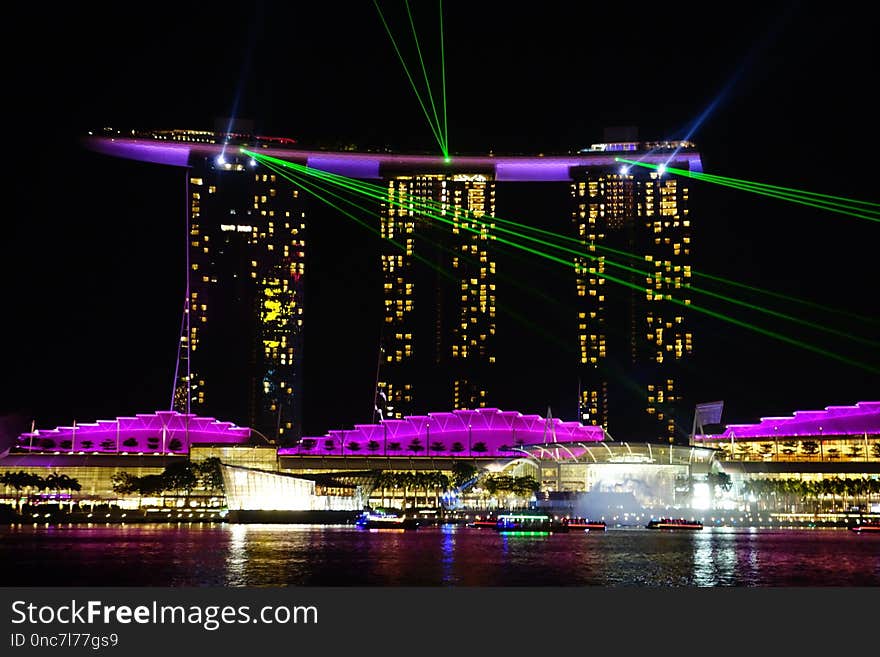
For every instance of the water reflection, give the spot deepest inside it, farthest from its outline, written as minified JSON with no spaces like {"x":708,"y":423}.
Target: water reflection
{"x":448,"y":548}
{"x":236,"y":561}
{"x":276,"y":555}
{"x":715,"y":557}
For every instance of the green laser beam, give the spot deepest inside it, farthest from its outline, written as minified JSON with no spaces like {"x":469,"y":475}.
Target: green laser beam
{"x":830,"y":206}
{"x":425,"y":73}
{"x":686,"y":304}
{"x":455,"y":253}
{"x":651,"y":276}
{"x":695,"y":272}
{"x":802,"y":193}
{"x":824,"y":199}
{"x":434,"y":129}
{"x":362,"y":223}
{"x":443,"y":78}
{"x":299,"y":180}
{"x":791,"y":190}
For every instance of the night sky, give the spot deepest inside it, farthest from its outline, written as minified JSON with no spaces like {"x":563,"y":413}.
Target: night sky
{"x":92,"y":248}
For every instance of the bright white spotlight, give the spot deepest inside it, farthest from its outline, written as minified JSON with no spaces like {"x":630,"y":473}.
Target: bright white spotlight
{"x":624,"y":170}
{"x":220,"y":160}
{"x":661,"y":169}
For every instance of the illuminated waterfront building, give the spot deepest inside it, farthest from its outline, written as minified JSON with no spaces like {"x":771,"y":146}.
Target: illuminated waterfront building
{"x":632,"y":342}
{"x":247,"y":261}
{"x":828,"y":461}
{"x":438,"y":292}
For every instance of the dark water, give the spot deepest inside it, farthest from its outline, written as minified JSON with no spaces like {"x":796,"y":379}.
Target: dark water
{"x":278,"y":555}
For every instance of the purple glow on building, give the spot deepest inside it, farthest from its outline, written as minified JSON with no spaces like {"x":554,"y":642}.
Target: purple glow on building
{"x":497,"y":430}
{"x":532,"y":171}
{"x":364,"y":168}
{"x":858,"y":420}
{"x":506,"y":168}
{"x":175,"y":155}
{"x":163,"y":431}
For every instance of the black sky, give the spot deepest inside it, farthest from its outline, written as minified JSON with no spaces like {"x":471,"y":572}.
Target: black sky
{"x":92,"y":251}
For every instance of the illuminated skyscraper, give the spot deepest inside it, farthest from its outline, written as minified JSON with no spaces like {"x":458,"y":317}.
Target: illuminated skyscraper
{"x":632,"y":343}
{"x":438,"y":332}
{"x":247,"y":260}
{"x":439,"y":294}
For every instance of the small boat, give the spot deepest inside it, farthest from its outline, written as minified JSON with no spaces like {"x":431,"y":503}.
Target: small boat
{"x":869,"y":527}
{"x":583,"y":524}
{"x":380,"y":520}
{"x":674,"y":523}
{"x":527,"y":522}
{"x":483,"y":523}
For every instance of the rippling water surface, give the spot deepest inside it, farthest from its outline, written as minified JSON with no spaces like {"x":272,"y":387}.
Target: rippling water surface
{"x":279,"y":555}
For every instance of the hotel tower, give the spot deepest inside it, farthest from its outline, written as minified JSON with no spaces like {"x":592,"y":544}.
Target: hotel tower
{"x":439,"y":294}
{"x":632,"y":340}
{"x":245,"y":311}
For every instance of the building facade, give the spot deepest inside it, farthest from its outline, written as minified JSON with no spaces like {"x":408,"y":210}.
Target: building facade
{"x":243,"y":334}
{"x":241,"y":347}
{"x":631,"y":286}
{"x":439,"y":291}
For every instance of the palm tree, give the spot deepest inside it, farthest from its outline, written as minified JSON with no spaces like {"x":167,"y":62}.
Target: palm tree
{"x":838,"y":487}
{"x":441,"y":485}
{"x":407,"y":481}
{"x":354,"y":446}
{"x":210,"y":475}
{"x":462,"y":472}
{"x":373,"y":446}
{"x":456,"y":448}
{"x":810,"y":447}
{"x":22,"y":480}
{"x":826,"y":489}
{"x":382,"y":484}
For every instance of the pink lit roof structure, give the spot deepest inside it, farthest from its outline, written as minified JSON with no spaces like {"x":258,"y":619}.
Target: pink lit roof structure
{"x":162,"y":431}
{"x":858,"y":420}
{"x":484,"y":432}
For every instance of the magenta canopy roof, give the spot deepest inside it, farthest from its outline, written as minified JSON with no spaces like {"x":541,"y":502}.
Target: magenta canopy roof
{"x":153,"y":432}
{"x":858,"y":420}
{"x":493,"y":428}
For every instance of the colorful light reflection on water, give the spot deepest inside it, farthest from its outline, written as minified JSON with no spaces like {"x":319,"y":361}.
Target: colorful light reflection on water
{"x":277,"y":555}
